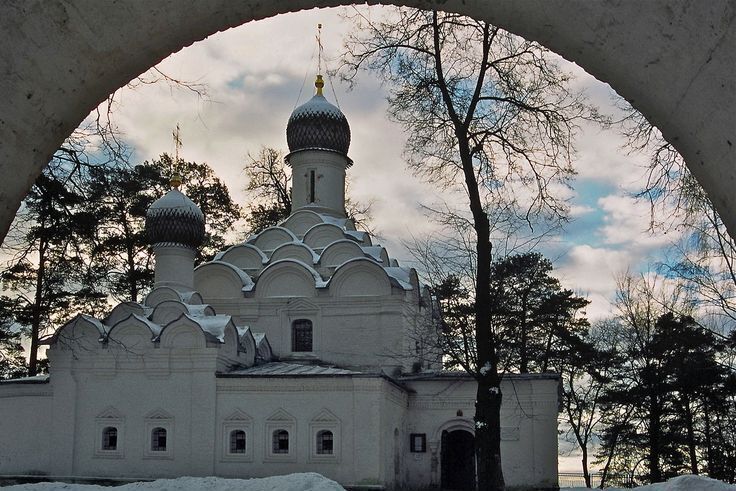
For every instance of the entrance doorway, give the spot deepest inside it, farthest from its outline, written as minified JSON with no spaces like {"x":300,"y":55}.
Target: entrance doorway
{"x":458,"y":460}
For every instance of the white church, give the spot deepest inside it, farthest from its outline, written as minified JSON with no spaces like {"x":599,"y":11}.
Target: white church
{"x":304,"y":348}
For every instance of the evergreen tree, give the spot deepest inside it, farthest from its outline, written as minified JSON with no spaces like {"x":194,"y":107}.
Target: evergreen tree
{"x":49,"y":274}
{"x":12,"y":361}
{"x":539,"y":325}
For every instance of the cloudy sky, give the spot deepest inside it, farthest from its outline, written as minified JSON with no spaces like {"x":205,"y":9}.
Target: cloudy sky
{"x":255,"y":75}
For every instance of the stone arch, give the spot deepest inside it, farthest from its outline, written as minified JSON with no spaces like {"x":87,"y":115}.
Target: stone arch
{"x":339,"y":252}
{"x":687,"y":91}
{"x":163,"y":293}
{"x":322,"y":235}
{"x":295,"y":250}
{"x":123,"y":310}
{"x":182,"y":333}
{"x":219,"y":279}
{"x":247,"y":257}
{"x":82,"y":333}
{"x":169,"y":310}
{"x":287,"y":278}
{"x":360,"y":277}
{"x":453,"y":424}
{"x":271,"y":238}
{"x":300,"y":221}
{"x":133,"y":333}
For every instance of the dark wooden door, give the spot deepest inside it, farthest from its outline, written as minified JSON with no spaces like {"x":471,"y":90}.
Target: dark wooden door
{"x":458,"y":460}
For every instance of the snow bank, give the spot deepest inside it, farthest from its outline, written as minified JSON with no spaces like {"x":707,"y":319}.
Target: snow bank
{"x":681,"y":483}
{"x":292,"y":482}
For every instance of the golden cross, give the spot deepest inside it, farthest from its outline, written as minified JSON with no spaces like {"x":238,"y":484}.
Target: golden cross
{"x":177,"y":143}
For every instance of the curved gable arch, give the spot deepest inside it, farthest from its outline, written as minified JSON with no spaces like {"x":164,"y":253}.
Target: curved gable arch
{"x":358,"y":278}
{"x":132,"y":333}
{"x":339,"y":252}
{"x":271,"y":238}
{"x":245,"y":256}
{"x":123,"y":310}
{"x":83,"y":333}
{"x":183,"y":333}
{"x":294,"y":250}
{"x":322,"y":235}
{"x":287,"y":278}
{"x":161,"y":294}
{"x":300,"y":221}
{"x":219,"y":280}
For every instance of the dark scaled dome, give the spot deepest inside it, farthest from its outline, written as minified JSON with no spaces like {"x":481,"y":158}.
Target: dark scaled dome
{"x":174,"y":219}
{"x":319,"y":125}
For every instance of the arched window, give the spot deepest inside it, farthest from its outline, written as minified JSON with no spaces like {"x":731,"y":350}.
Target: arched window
{"x":280,"y":441}
{"x":109,"y":438}
{"x":324,"y":442}
{"x":237,"y":441}
{"x":158,"y":439}
{"x":301,"y":335}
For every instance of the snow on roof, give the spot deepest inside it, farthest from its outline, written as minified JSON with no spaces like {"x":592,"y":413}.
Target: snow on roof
{"x":282,"y":369}
{"x":213,"y":324}
{"x":401,"y":275}
{"x":460,"y":374}
{"x":340,"y":222}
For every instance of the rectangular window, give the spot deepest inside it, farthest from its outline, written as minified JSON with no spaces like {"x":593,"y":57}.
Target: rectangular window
{"x":418,"y":442}
{"x":301,"y":336}
{"x":110,"y":438}
{"x":311,"y":186}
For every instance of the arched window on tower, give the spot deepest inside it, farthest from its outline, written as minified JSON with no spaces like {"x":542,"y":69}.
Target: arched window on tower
{"x":301,"y":335}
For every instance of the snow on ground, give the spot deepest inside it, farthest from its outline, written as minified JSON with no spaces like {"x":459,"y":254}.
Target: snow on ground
{"x":681,"y":483}
{"x":314,"y":482}
{"x":292,"y":482}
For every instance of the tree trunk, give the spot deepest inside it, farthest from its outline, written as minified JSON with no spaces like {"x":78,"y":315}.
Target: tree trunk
{"x":654,"y":435}
{"x":488,"y":434}
{"x":37,"y":301}
{"x":690,"y":435}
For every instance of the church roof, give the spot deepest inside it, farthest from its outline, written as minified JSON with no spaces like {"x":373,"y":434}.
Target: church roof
{"x":175,"y":219}
{"x":318,"y":125}
{"x":282,"y":369}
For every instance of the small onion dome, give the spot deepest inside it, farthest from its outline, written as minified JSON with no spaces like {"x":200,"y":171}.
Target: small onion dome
{"x":174,"y":219}
{"x":318,"y":125}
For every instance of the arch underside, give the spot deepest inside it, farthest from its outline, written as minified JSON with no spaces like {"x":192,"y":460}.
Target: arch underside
{"x":672,"y":59}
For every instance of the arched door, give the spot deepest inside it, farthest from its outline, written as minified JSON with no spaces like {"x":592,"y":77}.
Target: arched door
{"x":458,"y":460}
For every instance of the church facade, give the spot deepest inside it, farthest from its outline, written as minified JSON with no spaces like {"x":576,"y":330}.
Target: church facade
{"x":305,"y":348}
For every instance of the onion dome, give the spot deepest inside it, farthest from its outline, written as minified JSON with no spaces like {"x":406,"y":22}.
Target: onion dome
{"x":318,"y":125}
{"x":174,"y":219}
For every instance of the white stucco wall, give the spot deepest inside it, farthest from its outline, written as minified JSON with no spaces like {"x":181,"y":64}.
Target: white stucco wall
{"x":25,"y":422}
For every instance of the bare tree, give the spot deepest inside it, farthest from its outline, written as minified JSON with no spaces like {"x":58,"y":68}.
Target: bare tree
{"x":488,"y":112}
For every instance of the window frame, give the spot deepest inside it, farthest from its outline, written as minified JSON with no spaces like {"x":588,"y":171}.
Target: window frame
{"x":238,"y":421}
{"x":418,"y":442}
{"x":165,"y":424}
{"x":277,"y":424}
{"x":325,"y":421}
{"x":103,"y":423}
